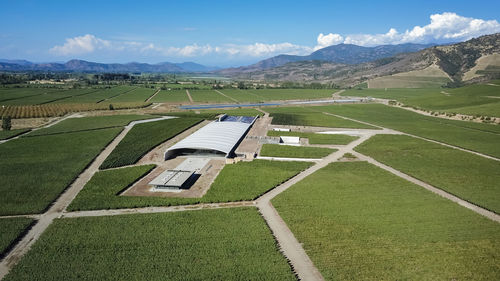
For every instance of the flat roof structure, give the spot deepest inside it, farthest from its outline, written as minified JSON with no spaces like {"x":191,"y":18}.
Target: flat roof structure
{"x":171,"y":179}
{"x":218,"y":138}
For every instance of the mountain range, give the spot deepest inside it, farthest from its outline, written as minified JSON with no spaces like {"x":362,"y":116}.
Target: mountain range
{"x":86,"y":66}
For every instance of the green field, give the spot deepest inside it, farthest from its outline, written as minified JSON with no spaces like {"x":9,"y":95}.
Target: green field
{"x":359,"y":222}
{"x":468,"y":176}
{"x":471,"y":100}
{"x":34,"y":171}
{"x":100,"y":95}
{"x":138,"y":94}
{"x":11,"y":94}
{"x":208,"y":96}
{"x":236,"y":182}
{"x":243,"y":95}
{"x":11,"y":133}
{"x":293,"y":94}
{"x":89,"y":123}
{"x":304,"y":116}
{"x":278,"y":150}
{"x":479,"y":137}
{"x":10,"y":229}
{"x":224,"y":244}
{"x":315,"y":138}
{"x":174,"y":96}
{"x":144,"y":137}
{"x":49,"y":96}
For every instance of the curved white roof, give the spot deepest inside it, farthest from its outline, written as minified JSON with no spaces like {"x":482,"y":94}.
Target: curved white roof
{"x":219,"y":136}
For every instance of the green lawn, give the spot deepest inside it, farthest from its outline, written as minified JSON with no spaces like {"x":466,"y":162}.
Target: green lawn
{"x":315,"y":138}
{"x":479,"y":137}
{"x":144,"y":137}
{"x":278,"y":150}
{"x":223,"y":244}
{"x":236,"y":182}
{"x":305,"y":116}
{"x":11,"y":133}
{"x":468,"y":176}
{"x":89,"y":123}
{"x":10,"y":229}
{"x":34,"y":171}
{"x":359,"y":222}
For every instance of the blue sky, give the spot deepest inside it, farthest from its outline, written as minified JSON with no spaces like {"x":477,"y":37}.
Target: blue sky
{"x":227,"y":33}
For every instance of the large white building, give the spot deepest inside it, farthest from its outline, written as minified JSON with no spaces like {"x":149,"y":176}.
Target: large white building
{"x":218,"y":138}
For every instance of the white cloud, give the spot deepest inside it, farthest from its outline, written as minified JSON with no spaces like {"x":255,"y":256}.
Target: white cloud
{"x":81,"y":45}
{"x":328,"y":40}
{"x":443,"y":27}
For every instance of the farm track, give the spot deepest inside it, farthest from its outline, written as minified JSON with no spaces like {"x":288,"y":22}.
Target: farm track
{"x":189,"y":96}
{"x":290,"y":246}
{"x":152,"y":96}
{"x":224,"y":95}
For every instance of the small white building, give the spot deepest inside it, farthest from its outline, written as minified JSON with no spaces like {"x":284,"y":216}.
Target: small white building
{"x":289,"y":140}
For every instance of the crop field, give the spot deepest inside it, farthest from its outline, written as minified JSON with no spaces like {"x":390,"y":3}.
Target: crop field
{"x":243,"y":95}
{"x":293,"y":94}
{"x":183,"y":87}
{"x":301,"y":116}
{"x":11,"y":133}
{"x":11,"y":94}
{"x":396,"y":81}
{"x":49,"y":96}
{"x":174,"y":96}
{"x":479,"y":137}
{"x":278,"y":150}
{"x":60,"y":109}
{"x":138,"y":94}
{"x":206,"y":96}
{"x":468,"y":176}
{"x":472,"y":100}
{"x":359,"y":222}
{"x":100,"y":95}
{"x":35,"y":170}
{"x":236,"y":182}
{"x":196,"y":245}
{"x":89,"y":123}
{"x":144,"y":137}
{"x":315,"y":138}
{"x":10,"y":229}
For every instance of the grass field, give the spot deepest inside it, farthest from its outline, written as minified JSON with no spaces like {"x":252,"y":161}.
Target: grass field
{"x":472,"y":100}
{"x":278,"y":150}
{"x":293,"y":94}
{"x":100,"y":95}
{"x":224,"y":244}
{"x":208,"y":96}
{"x":34,"y":171}
{"x":479,"y":137}
{"x":303,"y":116}
{"x":52,"y":95}
{"x":10,"y":229}
{"x":174,"y":96}
{"x":359,"y":222}
{"x":89,"y":123}
{"x":138,"y":94}
{"x":243,"y":95}
{"x":8,"y":95}
{"x":236,"y":182}
{"x":468,"y":176}
{"x":144,"y":137}
{"x":11,"y":133}
{"x":315,"y":138}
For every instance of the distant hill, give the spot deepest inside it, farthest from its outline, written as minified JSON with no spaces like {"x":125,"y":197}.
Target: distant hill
{"x":453,"y":60}
{"x":341,"y":53}
{"x":86,"y":66}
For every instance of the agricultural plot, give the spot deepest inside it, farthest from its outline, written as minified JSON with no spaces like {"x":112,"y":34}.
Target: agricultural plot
{"x":473,"y":100}
{"x":11,"y":94}
{"x":138,"y":94}
{"x":49,"y":96}
{"x":277,"y":150}
{"x":397,"y":81}
{"x":99,"y":95}
{"x":89,"y":123}
{"x":301,"y":116}
{"x":144,"y":137}
{"x":236,"y":182}
{"x":34,"y":171}
{"x":293,"y":94}
{"x":174,"y":96}
{"x":10,"y":230}
{"x":479,"y":137}
{"x":359,"y":222}
{"x":468,"y":176}
{"x":196,"y":245}
{"x":208,"y":96}
{"x":11,"y":133}
{"x":315,"y":138}
{"x":242,"y":95}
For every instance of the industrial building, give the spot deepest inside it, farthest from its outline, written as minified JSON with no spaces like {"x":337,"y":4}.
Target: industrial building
{"x":218,"y":138}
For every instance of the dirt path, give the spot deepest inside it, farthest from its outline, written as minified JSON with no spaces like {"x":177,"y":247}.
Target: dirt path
{"x":337,"y":94}
{"x":152,"y":96}
{"x":445,"y":93}
{"x":60,"y":205}
{"x":189,"y":96}
{"x":429,"y":187}
{"x":224,"y":95}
